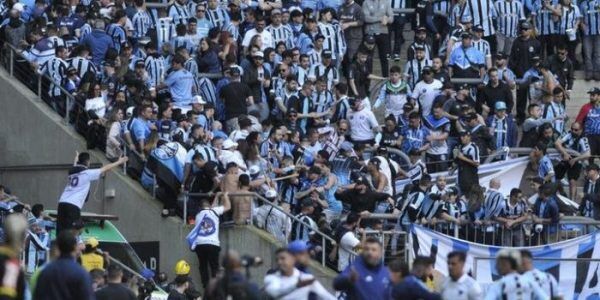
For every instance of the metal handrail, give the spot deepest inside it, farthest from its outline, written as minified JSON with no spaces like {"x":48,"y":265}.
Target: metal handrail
{"x":42,"y":167}
{"x":324,"y":237}
{"x":524,"y":150}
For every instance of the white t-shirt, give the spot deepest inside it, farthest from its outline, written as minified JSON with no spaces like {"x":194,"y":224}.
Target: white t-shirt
{"x":362,"y":123}
{"x":97,"y":105}
{"x":284,"y":287}
{"x":267,"y":39}
{"x":465,"y":288}
{"x":78,"y":187}
{"x":347,"y":244}
{"x":209,"y":226}
{"x":425,"y":93}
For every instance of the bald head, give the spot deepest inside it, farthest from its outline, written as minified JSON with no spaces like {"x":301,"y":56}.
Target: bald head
{"x":495,"y":183}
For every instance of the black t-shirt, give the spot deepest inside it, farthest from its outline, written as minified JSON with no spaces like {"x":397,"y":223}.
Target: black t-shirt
{"x":114,"y":291}
{"x":234,"y":97}
{"x":360,"y":74}
{"x":175,"y":295}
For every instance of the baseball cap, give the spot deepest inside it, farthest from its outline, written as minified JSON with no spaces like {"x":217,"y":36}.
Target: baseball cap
{"x":595,"y":91}
{"x":470,"y":116}
{"x":198,"y":100}
{"x":108,"y":63}
{"x":419,"y":47}
{"x":464,"y":132}
{"x":276,"y":11}
{"x":140,"y":64}
{"x":297,"y":246}
{"x":18,"y":7}
{"x":271,"y":194}
{"x":525,"y":25}
{"x":500,"y":55}
{"x":319,"y":37}
{"x":361,"y":180}
{"x":478,"y":28}
{"x":466,"y":19}
{"x":421,"y":29}
{"x":500,"y":105}
{"x":536,"y":58}
{"x":326,"y":54}
{"x":464,"y":86}
{"x":369,"y":39}
{"x":258,"y":54}
{"x":426,"y":69}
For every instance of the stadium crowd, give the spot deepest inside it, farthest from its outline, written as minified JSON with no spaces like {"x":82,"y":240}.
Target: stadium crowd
{"x":282,"y":98}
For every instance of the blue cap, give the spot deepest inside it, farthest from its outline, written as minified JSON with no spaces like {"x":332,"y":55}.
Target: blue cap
{"x":147,"y":274}
{"x":297,"y":246}
{"x":500,"y":105}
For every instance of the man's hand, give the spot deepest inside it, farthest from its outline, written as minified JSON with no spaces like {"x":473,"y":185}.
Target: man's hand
{"x":509,"y":224}
{"x":365,"y":214}
{"x":123,"y":159}
{"x":345,"y":25}
{"x":567,"y":157}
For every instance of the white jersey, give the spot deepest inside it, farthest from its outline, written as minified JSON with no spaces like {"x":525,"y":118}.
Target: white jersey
{"x":465,"y":288}
{"x":347,"y":243}
{"x":425,"y":94}
{"x":361,"y":125}
{"x":78,"y":187}
{"x":275,"y":222}
{"x":283,"y":287}
{"x":208,"y":233}
{"x":514,"y":287}
{"x":544,"y":281}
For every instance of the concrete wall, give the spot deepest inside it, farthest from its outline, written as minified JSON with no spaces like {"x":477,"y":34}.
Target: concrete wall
{"x":33,"y":134}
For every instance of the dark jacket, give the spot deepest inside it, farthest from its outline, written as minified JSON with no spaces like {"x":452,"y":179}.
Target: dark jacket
{"x":412,"y":288}
{"x":64,"y":279}
{"x":550,"y":212}
{"x":591,"y":200}
{"x":372,"y":282}
{"x":489,"y":95}
{"x":563,"y":70}
{"x":113,"y":291}
{"x":521,"y":55}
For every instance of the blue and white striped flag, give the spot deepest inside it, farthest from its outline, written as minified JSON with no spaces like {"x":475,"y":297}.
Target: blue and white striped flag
{"x":577,"y":280}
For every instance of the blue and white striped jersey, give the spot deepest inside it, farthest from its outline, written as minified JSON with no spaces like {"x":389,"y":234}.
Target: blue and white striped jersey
{"x":331,"y":73}
{"x":546,"y":168}
{"x":117,"y":33}
{"x":192,"y":66}
{"x":156,"y":69}
{"x":398,"y":4}
{"x":205,"y":88}
{"x":165,"y":30}
{"x":482,"y":12}
{"x":414,"y":138}
{"x":314,"y":56}
{"x":218,"y":17}
{"x":568,"y":19}
{"x":56,"y":69}
{"x":281,"y":33}
{"x":183,"y":41}
{"x":590,"y":17}
{"x":499,"y":129}
{"x":483,"y":46}
{"x":331,"y":34}
{"x":322,"y":101}
{"x":471,"y":151}
{"x":82,"y":65}
{"x":413,"y":69}
{"x":141,"y":23}
{"x":234,"y":30}
{"x":544,"y":24}
{"x":179,"y":13}
{"x":442,"y":7}
{"x":509,"y":13}
{"x":552,"y":111}
{"x":579,"y":144}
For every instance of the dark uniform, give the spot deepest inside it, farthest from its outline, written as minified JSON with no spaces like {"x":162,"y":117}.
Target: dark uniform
{"x":521,"y":60}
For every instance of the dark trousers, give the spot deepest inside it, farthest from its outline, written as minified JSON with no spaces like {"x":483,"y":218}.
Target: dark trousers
{"x":594,"y":140}
{"x":521,"y":104}
{"x":548,"y":42}
{"x":571,"y":46}
{"x":436,"y":163}
{"x":208,"y":259}
{"x":397,"y":33}
{"x":383,"y":47}
{"x":67,"y":215}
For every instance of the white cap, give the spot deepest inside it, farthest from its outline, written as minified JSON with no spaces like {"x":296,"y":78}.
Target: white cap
{"x":198,"y":100}
{"x":19,"y":7}
{"x":271,"y":194}
{"x":229,"y":144}
{"x":258,"y":54}
{"x":129,"y":112}
{"x":254,"y":170}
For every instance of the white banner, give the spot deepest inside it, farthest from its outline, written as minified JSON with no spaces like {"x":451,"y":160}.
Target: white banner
{"x":577,"y":280}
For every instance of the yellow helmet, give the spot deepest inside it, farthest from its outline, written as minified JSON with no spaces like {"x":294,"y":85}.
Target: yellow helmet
{"x":93,"y":242}
{"x":182,"y":268}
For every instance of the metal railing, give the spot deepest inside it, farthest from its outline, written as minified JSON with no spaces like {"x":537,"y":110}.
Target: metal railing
{"x":324,"y":240}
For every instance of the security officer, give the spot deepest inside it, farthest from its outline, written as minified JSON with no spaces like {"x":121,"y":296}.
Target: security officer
{"x":521,"y":59}
{"x":182,"y":270}
{"x":91,"y":258}
{"x":562,"y":66}
{"x":466,"y":61}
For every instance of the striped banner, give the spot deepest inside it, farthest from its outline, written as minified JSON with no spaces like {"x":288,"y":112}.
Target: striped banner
{"x":576,"y":279}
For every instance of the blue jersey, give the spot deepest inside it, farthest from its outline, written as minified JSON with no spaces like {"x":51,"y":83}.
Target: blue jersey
{"x":117,"y":33}
{"x":218,"y":17}
{"x":179,"y":13}
{"x":141,"y":23}
{"x":591,"y":16}
{"x":592,"y":122}
{"x":544,"y":24}
{"x":546,"y":168}
{"x":180,"y":85}
{"x":414,"y":138}
{"x":482,"y":12}
{"x":568,"y":19}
